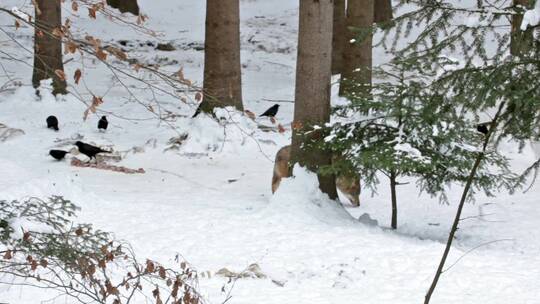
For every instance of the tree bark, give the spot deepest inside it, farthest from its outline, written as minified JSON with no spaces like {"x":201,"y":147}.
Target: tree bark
{"x":313,"y":76}
{"x":125,"y":6}
{"x":47,"y":47}
{"x":393,"y":185}
{"x":357,"y":54}
{"x":521,"y":41}
{"x":383,"y":11}
{"x":222,"y":69}
{"x":338,"y":38}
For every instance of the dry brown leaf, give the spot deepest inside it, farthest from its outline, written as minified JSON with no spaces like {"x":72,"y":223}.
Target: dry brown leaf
{"x":86,"y":113}
{"x":180,"y":74}
{"x":17,"y":24}
{"x":71,"y":47}
{"x":198,"y":96}
{"x":250,"y":114}
{"x":273,"y":120}
{"x":118,"y":53}
{"x":33,"y":265}
{"x":8,"y":255}
{"x":77,"y":76}
{"x":101,"y":55}
{"x":162,"y":272}
{"x":281,"y":129}
{"x":150,"y":267}
{"x":92,"y":12}
{"x":155,"y":292}
{"x":75,"y":6}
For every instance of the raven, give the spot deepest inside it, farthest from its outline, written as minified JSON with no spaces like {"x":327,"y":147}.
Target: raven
{"x":89,"y":150}
{"x":58,"y":154}
{"x":483,"y":128}
{"x":103,"y":123}
{"x":52,"y":122}
{"x":271,"y":112}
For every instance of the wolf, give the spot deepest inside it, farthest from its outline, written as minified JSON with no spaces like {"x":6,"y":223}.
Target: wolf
{"x":349,"y":185}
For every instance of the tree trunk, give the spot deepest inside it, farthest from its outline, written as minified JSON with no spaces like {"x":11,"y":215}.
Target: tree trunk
{"x":125,"y":6}
{"x":521,"y":41}
{"x":383,"y":11}
{"x":338,"y":38}
{"x":222,"y":70}
{"x":313,"y":76}
{"x":393,"y":185}
{"x":47,"y":47}
{"x":357,"y":54}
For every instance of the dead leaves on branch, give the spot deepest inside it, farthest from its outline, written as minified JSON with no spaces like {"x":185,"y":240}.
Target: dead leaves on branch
{"x":116,"y":52}
{"x":96,"y":102}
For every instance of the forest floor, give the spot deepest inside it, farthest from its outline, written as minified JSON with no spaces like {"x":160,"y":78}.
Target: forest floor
{"x":209,"y":199}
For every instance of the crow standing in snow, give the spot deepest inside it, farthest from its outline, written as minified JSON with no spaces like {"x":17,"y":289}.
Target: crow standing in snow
{"x":271,"y":112}
{"x":103,"y":123}
{"x":52,"y":122}
{"x":89,"y":150}
{"x":58,"y":154}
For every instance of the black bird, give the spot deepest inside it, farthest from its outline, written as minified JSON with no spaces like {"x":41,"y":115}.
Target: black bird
{"x":89,"y":150}
{"x":52,"y":122}
{"x":483,"y":128}
{"x":103,"y":123}
{"x":271,"y":112}
{"x":58,"y":154}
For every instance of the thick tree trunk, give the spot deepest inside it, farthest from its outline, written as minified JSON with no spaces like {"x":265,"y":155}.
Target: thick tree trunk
{"x":47,"y":47}
{"x":383,"y":11}
{"x":313,"y":76}
{"x":125,"y":6}
{"x":357,"y":54}
{"x":521,"y":41}
{"x":393,"y":185}
{"x":338,"y":38}
{"x":222,"y":70}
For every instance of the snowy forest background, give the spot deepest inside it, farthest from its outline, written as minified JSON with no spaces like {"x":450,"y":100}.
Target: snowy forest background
{"x":182,"y":210}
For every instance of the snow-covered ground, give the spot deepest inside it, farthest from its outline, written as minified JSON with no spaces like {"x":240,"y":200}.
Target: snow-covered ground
{"x":210,"y":200}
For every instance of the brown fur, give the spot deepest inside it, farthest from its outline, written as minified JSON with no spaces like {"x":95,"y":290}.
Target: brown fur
{"x":347,"y":184}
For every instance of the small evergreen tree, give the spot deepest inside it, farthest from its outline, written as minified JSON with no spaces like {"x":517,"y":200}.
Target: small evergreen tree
{"x":403,"y":132}
{"x":457,"y":67}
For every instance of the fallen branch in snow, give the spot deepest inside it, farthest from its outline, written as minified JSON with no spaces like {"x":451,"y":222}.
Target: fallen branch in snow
{"x":78,"y":163}
{"x":252,"y":272}
{"x":278,"y":100}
